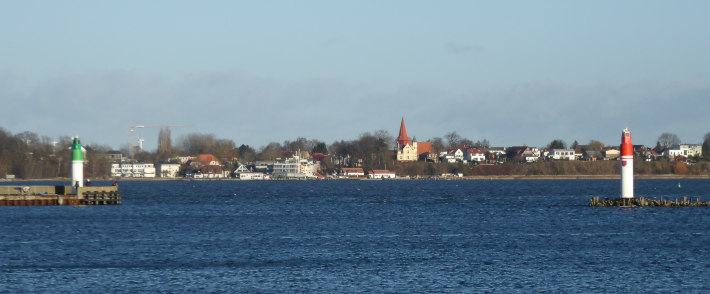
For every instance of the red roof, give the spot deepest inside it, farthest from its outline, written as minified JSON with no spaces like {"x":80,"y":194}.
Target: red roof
{"x":474,"y":151}
{"x":424,"y":147}
{"x":206,"y":158}
{"x":352,"y":170}
{"x":403,"y":138}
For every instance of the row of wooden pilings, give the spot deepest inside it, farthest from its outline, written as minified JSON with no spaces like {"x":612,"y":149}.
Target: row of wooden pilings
{"x":641,"y":201}
{"x":101,"y":198}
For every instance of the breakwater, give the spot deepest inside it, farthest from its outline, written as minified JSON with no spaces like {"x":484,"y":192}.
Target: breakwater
{"x":641,"y":201}
{"x":59,"y":195}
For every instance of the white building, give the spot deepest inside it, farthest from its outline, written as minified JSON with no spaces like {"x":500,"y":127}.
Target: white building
{"x":244,"y":173}
{"x":250,"y":176}
{"x":296,"y":167}
{"x":352,"y":172}
{"x":133,"y":170}
{"x":557,"y":154}
{"x":381,"y":174}
{"x":473,"y":154}
{"x":684,"y":150}
{"x":167,"y":170}
{"x":182,"y":159}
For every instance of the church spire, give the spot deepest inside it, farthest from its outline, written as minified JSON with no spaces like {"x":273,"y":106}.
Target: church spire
{"x":403,"y":138}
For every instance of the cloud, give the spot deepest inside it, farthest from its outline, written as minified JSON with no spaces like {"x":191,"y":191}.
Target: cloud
{"x":256,"y":110}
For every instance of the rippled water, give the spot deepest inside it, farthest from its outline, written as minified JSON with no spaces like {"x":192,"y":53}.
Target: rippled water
{"x":355,"y":236}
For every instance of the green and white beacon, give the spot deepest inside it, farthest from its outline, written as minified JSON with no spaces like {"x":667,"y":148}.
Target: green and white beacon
{"x":77,"y":164}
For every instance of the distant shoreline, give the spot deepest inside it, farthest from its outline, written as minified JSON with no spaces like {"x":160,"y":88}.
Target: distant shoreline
{"x":493,"y":177}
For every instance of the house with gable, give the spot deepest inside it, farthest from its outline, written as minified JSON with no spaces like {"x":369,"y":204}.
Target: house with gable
{"x":474,"y":155}
{"x":562,"y":154}
{"x":522,"y":153}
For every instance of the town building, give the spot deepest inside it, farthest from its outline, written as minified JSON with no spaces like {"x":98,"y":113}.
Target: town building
{"x":133,"y":170}
{"x":611,"y":153}
{"x":115,"y":156}
{"x":167,"y":169}
{"x":296,"y":167}
{"x":352,"y":172}
{"x":410,"y":150}
{"x":562,"y":154}
{"x":452,"y":155}
{"x":684,"y":150}
{"x":244,"y":173}
{"x":381,"y":174}
{"x":474,"y":155}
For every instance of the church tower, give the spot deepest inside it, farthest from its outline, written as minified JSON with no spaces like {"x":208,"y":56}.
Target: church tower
{"x":406,"y":150}
{"x":403,"y":138}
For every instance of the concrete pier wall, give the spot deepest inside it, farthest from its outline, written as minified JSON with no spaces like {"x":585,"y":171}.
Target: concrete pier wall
{"x":58,"y":195}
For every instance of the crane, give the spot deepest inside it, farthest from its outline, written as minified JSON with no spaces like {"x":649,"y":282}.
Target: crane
{"x":132,"y":128}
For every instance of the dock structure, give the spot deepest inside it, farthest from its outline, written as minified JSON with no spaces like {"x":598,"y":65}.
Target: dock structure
{"x":641,"y":202}
{"x":59,"y":195}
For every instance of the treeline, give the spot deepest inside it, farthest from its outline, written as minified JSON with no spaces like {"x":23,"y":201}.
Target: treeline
{"x":30,"y":156}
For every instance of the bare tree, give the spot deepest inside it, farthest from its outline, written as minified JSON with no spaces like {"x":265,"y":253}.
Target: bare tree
{"x":668,"y":139}
{"x":595,"y":145}
{"x":196,"y":143}
{"x":164,"y":144}
{"x":437,"y":144}
{"x":453,"y":139}
{"x":271,"y":151}
{"x":385,"y":136}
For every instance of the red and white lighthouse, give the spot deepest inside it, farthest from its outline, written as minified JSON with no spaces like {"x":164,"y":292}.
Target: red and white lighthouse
{"x":627,"y":165}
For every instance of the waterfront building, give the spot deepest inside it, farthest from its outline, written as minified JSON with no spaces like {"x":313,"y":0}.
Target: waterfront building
{"x":133,"y":170}
{"x":352,"y":172}
{"x":296,"y":167}
{"x":167,"y":169}
{"x":381,"y":174}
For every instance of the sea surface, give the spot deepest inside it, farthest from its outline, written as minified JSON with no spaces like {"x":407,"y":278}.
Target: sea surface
{"x":502,"y":236}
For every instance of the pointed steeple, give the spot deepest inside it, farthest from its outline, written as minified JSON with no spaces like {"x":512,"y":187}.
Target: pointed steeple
{"x":403,"y":138}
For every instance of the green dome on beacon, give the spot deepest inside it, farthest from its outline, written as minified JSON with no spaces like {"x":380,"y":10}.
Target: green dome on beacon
{"x":76,"y":152}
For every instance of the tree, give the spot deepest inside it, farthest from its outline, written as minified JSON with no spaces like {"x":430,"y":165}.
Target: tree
{"x":706,"y":144}
{"x":453,"y":139}
{"x":196,"y":143}
{"x":595,"y":145}
{"x":165,"y":148}
{"x":246,"y":153}
{"x":482,"y":144}
{"x":320,"y":147}
{"x":557,"y":144}
{"x":437,"y":144}
{"x":385,"y":136}
{"x":575,"y":144}
{"x":668,"y":139}
{"x":271,"y":151}
{"x":465,"y":142}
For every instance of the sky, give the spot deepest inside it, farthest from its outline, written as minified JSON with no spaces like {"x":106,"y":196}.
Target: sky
{"x":511,"y":72}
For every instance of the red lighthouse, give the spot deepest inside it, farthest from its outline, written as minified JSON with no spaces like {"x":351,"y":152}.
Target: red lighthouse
{"x":627,"y":165}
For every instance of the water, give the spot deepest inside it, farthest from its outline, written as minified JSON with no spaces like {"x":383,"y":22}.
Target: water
{"x":361,"y":236}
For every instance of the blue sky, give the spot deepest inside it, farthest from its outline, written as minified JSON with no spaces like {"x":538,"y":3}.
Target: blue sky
{"x":515,"y":72}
